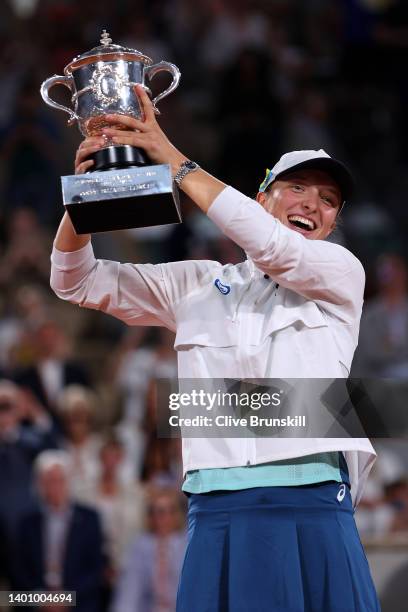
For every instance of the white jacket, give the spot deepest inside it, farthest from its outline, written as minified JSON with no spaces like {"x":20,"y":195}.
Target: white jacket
{"x":232,"y":322}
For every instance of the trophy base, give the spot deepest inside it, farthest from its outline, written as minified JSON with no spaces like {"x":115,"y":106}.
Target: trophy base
{"x":121,"y":199}
{"x":118,"y":156}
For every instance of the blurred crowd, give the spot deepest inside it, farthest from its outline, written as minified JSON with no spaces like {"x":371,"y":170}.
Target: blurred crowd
{"x":86,"y":485}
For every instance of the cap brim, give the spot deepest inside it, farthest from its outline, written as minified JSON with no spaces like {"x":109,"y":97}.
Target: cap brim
{"x":334,"y":168}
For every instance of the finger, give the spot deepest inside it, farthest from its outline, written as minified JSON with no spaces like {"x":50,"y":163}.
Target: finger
{"x":109,"y":132}
{"x":135,"y":139}
{"x":129,"y":122}
{"x":82,"y":168}
{"x":91,"y":141}
{"x":82,"y":154}
{"x":79,"y":162}
{"x":146,"y":103}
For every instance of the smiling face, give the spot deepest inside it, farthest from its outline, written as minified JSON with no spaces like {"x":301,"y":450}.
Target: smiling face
{"x":306,"y":201}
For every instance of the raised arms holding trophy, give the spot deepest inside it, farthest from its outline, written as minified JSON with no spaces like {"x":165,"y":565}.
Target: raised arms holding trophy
{"x":146,"y":135}
{"x":122,"y":188}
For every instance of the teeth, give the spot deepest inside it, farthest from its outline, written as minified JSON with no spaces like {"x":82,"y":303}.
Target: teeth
{"x":302,"y":220}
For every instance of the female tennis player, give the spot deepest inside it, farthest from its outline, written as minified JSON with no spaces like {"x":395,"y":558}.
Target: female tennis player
{"x":271,"y":525}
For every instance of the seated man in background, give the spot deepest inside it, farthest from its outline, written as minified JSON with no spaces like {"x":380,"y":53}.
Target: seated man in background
{"x":60,"y":543}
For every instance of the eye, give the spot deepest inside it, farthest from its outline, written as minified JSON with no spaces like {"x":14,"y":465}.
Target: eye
{"x":298,"y":188}
{"x":329,"y":200}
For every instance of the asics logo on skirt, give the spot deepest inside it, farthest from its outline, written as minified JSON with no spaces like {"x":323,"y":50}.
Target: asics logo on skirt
{"x":342,"y":493}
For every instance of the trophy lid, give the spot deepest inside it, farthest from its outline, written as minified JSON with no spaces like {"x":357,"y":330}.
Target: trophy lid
{"x":106,"y":51}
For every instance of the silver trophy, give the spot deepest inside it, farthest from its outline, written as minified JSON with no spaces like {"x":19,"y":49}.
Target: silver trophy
{"x":123,"y":189}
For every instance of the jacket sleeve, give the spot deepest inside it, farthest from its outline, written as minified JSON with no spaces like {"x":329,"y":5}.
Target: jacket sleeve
{"x":136,"y":294}
{"x":317,"y":269}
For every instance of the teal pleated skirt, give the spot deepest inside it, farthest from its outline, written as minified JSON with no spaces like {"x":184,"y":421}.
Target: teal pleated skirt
{"x":275,"y":549}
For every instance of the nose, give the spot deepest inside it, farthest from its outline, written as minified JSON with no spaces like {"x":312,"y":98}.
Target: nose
{"x":311,"y":199}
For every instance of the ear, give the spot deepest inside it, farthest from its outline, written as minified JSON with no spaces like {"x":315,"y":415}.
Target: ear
{"x":261,"y":197}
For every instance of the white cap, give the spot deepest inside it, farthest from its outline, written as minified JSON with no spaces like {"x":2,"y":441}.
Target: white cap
{"x":319,"y":160}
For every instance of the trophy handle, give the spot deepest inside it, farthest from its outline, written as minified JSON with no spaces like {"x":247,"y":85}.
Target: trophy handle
{"x":46,"y":86}
{"x":151,"y":71}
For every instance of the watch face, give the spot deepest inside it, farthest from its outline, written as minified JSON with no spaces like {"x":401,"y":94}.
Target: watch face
{"x":190,"y":165}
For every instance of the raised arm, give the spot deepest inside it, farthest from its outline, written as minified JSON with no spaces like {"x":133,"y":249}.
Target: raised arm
{"x":67,"y":240}
{"x":137,"y":294}
{"x":200,"y":186}
{"x":314,"y":268}
{"x":317,"y":269}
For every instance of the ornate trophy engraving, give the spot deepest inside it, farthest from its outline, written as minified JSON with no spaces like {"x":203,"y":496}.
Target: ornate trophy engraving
{"x":122,"y":189}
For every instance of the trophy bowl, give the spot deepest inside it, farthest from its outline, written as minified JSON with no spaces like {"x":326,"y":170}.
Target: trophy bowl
{"x":102,"y":81}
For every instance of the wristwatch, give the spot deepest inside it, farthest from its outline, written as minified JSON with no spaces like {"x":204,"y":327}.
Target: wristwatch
{"x":185,"y":168}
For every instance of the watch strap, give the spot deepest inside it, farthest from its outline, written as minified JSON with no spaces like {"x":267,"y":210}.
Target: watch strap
{"x":185,"y":168}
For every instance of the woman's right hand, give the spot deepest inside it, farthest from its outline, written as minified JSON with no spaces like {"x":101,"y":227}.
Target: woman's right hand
{"x":90,"y":145}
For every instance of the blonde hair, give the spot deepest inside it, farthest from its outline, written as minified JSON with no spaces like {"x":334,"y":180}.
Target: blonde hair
{"x":77,"y":395}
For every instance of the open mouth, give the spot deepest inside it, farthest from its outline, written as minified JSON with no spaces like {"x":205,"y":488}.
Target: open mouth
{"x":302,"y":223}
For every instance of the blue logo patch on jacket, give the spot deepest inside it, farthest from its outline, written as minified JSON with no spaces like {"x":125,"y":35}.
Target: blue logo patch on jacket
{"x":225,"y":289}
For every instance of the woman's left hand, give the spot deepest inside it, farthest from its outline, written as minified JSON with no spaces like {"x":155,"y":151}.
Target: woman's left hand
{"x":145,"y":134}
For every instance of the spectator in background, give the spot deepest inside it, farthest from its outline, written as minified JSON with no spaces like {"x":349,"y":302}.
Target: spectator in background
{"x":26,"y":307}
{"x":25,"y":257}
{"x":77,"y":411}
{"x":121,"y":506}
{"x":138,"y":366}
{"x":78,"y":407}
{"x":377,"y":514}
{"x":60,"y":543}
{"x":25,"y":430}
{"x":396,"y":495}
{"x":130,"y":368}
{"x":308,"y":124}
{"x":150,"y":576}
{"x":382,"y":351}
{"x":162,"y":465}
{"x":12,"y":67}
{"x":51,"y":369}
{"x":30,"y":147}
{"x":236,"y":25}
{"x":162,"y":458}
